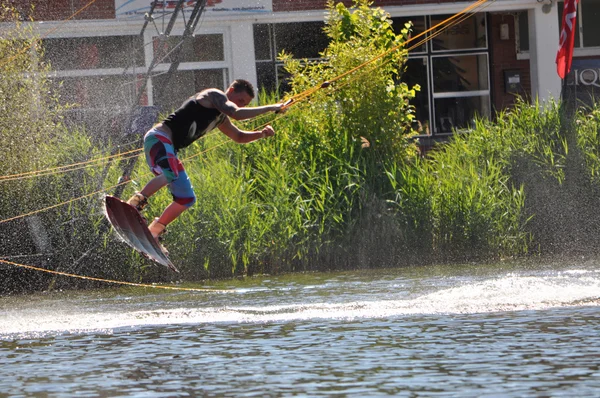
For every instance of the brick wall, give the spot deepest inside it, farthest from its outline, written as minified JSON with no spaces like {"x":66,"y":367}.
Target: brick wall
{"x":302,"y":5}
{"x":52,"y":10}
{"x":503,"y":56}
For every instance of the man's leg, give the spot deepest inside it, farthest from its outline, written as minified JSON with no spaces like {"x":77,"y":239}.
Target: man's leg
{"x":172,"y":211}
{"x":162,"y":160}
{"x":139,"y":200}
{"x":154,"y":185}
{"x":183,"y":198}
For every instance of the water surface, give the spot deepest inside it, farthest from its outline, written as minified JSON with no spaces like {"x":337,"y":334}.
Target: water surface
{"x":501,"y":330}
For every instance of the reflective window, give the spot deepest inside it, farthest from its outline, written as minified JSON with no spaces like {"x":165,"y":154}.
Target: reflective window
{"x":456,"y":87}
{"x":587,"y":27}
{"x":523,"y":32}
{"x":460,"y":90}
{"x":265,"y":75}
{"x":301,"y":39}
{"x":263,"y":38}
{"x":590,"y":16}
{"x":459,"y":35}
{"x":459,"y":73}
{"x":94,"y":52}
{"x":171,"y":92}
{"x":97,"y":91}
{"x":417,"y":73}
{"x":200,"y":48}
{"x":459,"y":112}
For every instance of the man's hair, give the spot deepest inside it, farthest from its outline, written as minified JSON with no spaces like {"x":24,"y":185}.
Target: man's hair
{"x":243,"y":85}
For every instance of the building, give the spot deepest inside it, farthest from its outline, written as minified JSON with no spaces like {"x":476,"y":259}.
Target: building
{"x":508,"y":47}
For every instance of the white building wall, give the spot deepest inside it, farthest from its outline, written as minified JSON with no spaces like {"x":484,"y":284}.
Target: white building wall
{"x":543,"y":45}
{"x":243,"y":64}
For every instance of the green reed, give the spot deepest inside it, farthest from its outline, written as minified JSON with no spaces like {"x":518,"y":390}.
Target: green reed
{"x":587,"y":125}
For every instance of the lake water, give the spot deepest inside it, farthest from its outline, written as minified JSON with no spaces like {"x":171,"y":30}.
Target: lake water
{"x":455,"y":331}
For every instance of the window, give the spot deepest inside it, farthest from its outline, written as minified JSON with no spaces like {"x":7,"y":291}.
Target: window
{"x":94,"y":52}
{"x":202,"y":66}
{"x":460,"y":73}
{"x":589,"y":12}
{"x":263,"y":40}
{"x":200,"y":48}
{"x":301,"y":39}
{"x":588,"y":15}
{"x":453,"y":73}
{"x":464,"y":35}
{"x":171,"y":91}
{"x":460,"y":112}
{"x":460,"y":90}
{"x":417,"y":73}
{"x":96,"y":91}
{"x":522,"y":32}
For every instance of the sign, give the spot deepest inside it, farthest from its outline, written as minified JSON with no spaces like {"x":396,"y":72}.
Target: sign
{"x":582,"y":84}
{"x":512,"y":81}
{"x":136,"y":9}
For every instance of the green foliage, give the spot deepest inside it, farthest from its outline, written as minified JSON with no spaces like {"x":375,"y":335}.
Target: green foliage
{"x":370,"y":102}
{"x":474,"y":207}
{"x":587,"y":123}
{"x":27,"y":109}
{"x":533,"y":131}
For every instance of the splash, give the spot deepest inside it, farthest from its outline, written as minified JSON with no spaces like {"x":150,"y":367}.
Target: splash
{"x":507,"y":293}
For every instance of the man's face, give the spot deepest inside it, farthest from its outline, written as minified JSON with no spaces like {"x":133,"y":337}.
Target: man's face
{"x":241,"y":98}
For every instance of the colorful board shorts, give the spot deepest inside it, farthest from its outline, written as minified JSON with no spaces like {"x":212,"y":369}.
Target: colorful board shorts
{"x":162,"y":159}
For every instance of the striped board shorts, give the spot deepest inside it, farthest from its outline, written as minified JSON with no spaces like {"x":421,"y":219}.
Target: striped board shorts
{"x":162,"y":159}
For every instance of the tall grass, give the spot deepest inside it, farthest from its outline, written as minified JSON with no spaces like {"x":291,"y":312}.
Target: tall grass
{"x":587,"y":125}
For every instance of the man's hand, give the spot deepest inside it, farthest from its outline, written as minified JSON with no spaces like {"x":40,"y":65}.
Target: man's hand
{"x":282,"y":107}
{"x":268,"y":132}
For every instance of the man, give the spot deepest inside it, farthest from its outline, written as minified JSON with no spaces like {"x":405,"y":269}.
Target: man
{"x":197,"y":116}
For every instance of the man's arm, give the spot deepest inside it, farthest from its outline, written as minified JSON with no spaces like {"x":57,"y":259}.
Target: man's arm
{"x":219,"y":100}
{"x":244,"y":137}
{"x":249,"y":113}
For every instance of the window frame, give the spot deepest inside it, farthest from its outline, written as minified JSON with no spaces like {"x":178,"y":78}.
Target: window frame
{"x":434,"y":130}
{"x":135,"y":71}
{"x":447,"y":94}
{"x":456,"y":94}
{"x":580,"y":51}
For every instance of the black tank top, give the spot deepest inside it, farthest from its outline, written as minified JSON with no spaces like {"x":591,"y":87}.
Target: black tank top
{"x":191,"y":121}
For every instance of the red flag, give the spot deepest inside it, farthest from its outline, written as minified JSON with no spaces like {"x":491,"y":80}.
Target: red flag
{"x":564,"y":57}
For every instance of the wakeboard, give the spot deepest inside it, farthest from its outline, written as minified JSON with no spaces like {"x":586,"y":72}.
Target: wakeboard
{"x":133,"y":229}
